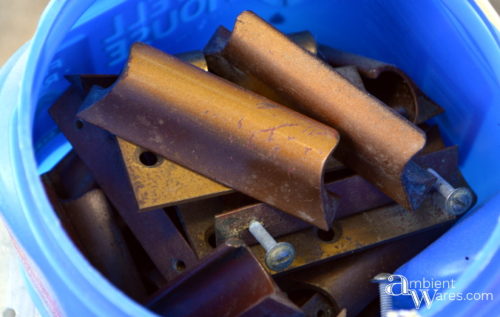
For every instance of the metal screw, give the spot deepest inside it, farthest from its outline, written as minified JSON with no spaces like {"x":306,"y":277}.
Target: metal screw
{"x":456,"y":200}
{"x":385,"y":299}
{"x":279,"y":255}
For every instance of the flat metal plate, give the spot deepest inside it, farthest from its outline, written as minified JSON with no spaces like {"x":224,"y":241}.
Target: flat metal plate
{"x":229,"y":282}
{"x":99,"y":150}
{"x":350,"y":234}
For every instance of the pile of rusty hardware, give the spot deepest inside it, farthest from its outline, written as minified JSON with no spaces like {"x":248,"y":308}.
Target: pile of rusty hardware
{"x":264,"y":176}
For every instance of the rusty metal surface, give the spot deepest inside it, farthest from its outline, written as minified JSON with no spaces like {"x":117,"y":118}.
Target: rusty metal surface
{"x":156,"y":181}
{"x":168,"y":174}
{"x":195,"y":58}
{"x":94,"y":221}
{"x":349,"y":234}
{"x":164,"y":183}
{"x":90,"y":222}
{"x":388,"y":83}
{"x":197,"y":218}
{"x":376,"y":142}
{"x":235,"y":223}
{"x":306,"y":40}
{"x":319,"y":305}
{"x":346,"y":282}
{"x":229,"y":282}
{"x":55,"y":201}
{"x":355,"y":193}
{"x":160,"y":183}
{"x":85,"y":82}
{"x":70,"y":178}
{"x":434,"y":139}
{"x":99,"y":150}
{"x":360,"y":231}
{"x":220,"y":130}
{"x":217,"y":64}
{"x":352,"y":75}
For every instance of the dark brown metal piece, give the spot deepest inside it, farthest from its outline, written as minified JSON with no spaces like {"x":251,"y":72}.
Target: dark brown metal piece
{"x":349,"y":234}
{"x":158,"y":182}
{"x":55,"y":200}
{"x":352,"y":75}
{"x":195,"y":58}
{"x":220,"y":130}
{"x":346,"y":282}
{"x":388,"y":83}
{"x":355,"y":193}
{"x":306,"y":40}
{"x":376,"y":142}
{"x":162,"y":183}
{"x":359,"y":232}
{"x":434,"y":140}
{"x":91,"y":223}
{"x":235,"y":223}
{"x":217,"y":64}
{"x":102,"y":242}
{"x":319,"y":305}
{"x":70,"y":178}
{"x":99,"y":150}
{"x":229,"y":282}
{"x":85,"y":82}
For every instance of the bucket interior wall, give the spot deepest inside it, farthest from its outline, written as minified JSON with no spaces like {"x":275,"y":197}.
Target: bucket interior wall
{"x":445,"y":46}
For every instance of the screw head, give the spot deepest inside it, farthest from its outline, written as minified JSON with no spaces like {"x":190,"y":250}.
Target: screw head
{"x":381,"y":278}
{"x":280,"y":256}
{"x":459,"y":201}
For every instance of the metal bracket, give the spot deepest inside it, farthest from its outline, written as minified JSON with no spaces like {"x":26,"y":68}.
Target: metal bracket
{"x":386,"y":82}
{"x":229,"y":282}
{"x":99,"y":150}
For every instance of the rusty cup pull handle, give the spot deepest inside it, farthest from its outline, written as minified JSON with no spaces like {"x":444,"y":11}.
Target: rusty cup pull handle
{"x":377,"y":142}
{"x":222,"y":131}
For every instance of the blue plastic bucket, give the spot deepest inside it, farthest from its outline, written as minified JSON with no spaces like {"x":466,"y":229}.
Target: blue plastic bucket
{"x":447,"y":46}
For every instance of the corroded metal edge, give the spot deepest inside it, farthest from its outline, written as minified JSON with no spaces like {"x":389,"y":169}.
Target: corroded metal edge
{"x":355,"y":195}
{"x":419,"y":108}
{"x":99,"y":151}
{"x":228,"y":282}
{"x":220,"y":130}
{"x":349,"y":234}
{"x":376,"y":142}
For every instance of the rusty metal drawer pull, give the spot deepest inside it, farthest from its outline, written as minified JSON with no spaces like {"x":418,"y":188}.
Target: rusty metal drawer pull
{"x":221,"y":131}
{"x":376,"y":142}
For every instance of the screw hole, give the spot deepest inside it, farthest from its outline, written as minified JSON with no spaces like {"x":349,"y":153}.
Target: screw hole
{"x":79,"y":124}
{"x":210,"y":237}
{"x":327,"y":236}
{"x":179,"y":265}
{"x":331,"y":235}
{"x":148,"y":158}
{"x":467,"y":258}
